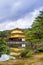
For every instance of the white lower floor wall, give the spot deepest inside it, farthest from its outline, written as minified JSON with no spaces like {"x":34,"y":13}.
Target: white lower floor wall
{"x":23,"y":45}
{"x":23,"y":39}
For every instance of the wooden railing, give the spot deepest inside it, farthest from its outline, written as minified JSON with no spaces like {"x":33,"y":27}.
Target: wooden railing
{"x":14,"y":42}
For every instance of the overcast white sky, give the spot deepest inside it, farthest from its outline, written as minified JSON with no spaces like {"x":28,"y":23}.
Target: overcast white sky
{"x":18,"y":13}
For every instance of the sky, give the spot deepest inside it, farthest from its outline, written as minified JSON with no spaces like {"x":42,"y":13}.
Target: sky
{"x":18,"y":13}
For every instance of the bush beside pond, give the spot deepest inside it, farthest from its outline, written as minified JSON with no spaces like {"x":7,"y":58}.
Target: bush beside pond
{"x":26,"y":53}
{"x":40,"y":49}
{"x":4,"y":49}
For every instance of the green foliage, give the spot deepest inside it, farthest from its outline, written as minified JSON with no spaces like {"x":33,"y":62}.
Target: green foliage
{"x":23,"y":53}
{"x":35,"y":33}
{"x":30,"y":52}
{"x":4,"y":49}
{"x":2,"y":41}
{"x":5,"y":33}
{"x":26,"y":53}
{"x":40,"y":49}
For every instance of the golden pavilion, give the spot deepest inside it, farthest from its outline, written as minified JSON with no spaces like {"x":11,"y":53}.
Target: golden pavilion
{"x":17,"y":37}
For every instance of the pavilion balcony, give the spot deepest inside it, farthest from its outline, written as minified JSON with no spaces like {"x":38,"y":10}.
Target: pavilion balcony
{"x":17,"y":42}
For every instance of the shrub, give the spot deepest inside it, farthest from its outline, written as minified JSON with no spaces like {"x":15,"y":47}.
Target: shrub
{"x":30,"y":52}
{"x":40,"y":49}
{"x":23,"y":53}
{"x":2,"y":41}
{"x":4,"y":49}
{"x":26,"y":53}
